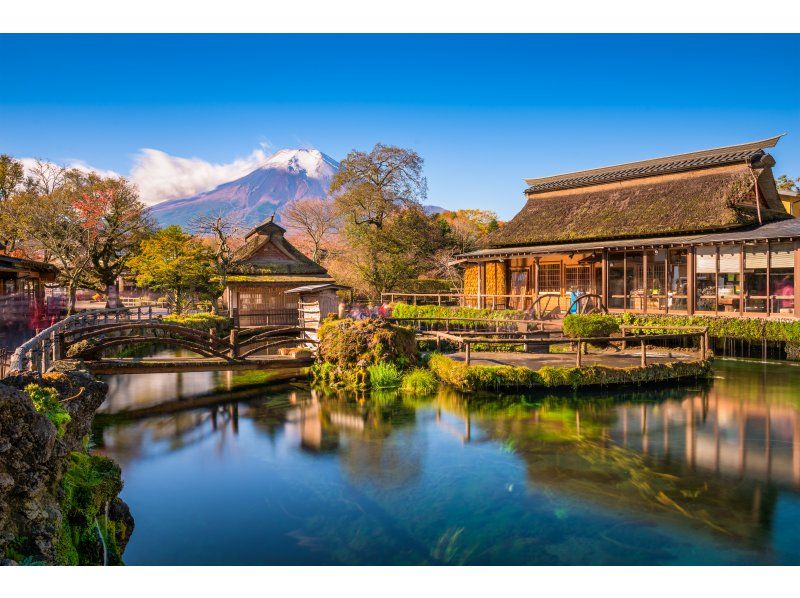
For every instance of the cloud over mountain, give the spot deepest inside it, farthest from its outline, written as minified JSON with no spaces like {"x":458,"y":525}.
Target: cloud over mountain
{"x":161,"y":176}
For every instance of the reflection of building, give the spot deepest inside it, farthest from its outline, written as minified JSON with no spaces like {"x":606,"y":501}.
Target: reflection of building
{"x":704,"y":232}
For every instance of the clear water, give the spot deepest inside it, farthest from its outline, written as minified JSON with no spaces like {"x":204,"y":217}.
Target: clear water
{"x":244,"y":474}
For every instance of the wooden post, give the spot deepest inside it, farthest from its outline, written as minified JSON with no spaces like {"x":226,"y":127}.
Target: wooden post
{"x":690,"y":280}
{"x":234,"y":341}
{"x":212,"y":333}
{"x":622,"y":329}
{"x":578,"y":354}
{"x":150,"y":312}
{"x":644,"y":353}
{"x":796,"y":279}
{"x":703,"y":347}
{"x":705,"y":343}
{"x":57,"y":341}
{"x":467,"y":353}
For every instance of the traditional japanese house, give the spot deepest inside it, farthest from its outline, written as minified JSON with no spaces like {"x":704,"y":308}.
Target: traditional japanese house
{"x":265,"y":267}
{"x":698,"y":233}
{"x":23,"y":305}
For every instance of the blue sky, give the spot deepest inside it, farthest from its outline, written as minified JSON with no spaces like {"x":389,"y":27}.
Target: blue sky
{"x":484,"y":111}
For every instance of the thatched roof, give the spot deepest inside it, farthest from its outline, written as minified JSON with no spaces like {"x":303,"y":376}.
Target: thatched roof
{"x":267,"y":252}
{"x":711,"y":199}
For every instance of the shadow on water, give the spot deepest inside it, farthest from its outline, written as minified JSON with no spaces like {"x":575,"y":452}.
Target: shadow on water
{"x":242,"y":473}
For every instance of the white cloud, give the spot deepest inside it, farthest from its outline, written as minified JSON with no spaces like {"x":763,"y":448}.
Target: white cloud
{"x":161,"y":176}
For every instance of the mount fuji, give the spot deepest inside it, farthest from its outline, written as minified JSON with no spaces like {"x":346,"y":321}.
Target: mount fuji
{"x":286,"y":175}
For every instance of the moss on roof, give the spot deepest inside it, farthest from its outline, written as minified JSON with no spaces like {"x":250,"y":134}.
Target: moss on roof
{"x":278,"y":278}
{"x":718,"y":200}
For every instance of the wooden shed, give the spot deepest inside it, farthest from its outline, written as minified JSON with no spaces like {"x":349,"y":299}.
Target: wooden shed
{"x":265,"y":267}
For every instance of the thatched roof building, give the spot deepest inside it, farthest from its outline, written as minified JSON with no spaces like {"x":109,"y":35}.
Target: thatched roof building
{"x":631,"y":234}
{"x":265,"y":267}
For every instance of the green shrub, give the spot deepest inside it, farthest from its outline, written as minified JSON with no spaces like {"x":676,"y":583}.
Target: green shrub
{"x":746,"y":329}
{"x":590,"y":325}
{"x":89,"y":484}
{"x":419,"y":381}
{"x":347,"y":343}
{"x":384,"y":375}
{"x":200,"y":321}
{"x":45,"y":400}
{"x":479,"y":377}
{"x":403,"y":310}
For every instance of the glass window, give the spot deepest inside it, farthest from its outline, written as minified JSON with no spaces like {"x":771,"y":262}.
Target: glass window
{"x":616,"y":280}
{"x":578,"y":278}
{"x":550,"y":278}
{"x":677,"y":280}
{"x":728,"y":279}
{"x":634,"y":280}
{"x":656,"y":280}
{"x":519,"y":288}
{"x":705,"y":278}
{"x":781,"y":278}
{"x":755,"y":278}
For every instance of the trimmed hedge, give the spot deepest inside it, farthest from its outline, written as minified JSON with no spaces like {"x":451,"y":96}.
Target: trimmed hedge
{"x":493,"y":377}
{"x":588,"y":325}
{"x":403,"y":310}
{"x":747,"y":329}
{"x":200,"y":321}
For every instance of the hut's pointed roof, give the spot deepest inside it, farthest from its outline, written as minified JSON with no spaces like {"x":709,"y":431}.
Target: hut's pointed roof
{"x":267,"y":252}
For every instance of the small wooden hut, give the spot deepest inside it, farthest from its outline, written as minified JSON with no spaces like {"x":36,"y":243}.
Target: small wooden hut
{"x":265,"y":267}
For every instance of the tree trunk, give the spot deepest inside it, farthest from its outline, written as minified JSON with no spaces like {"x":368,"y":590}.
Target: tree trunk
{"x":112,"y":294}
{"x":72,"y":291}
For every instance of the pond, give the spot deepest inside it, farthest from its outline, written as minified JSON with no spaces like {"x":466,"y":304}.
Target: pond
{"x":245,"y":473}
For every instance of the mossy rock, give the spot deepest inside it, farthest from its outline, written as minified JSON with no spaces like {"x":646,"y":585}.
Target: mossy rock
{"x":360,"y":343}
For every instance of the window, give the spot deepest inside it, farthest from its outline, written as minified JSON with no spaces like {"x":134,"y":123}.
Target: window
{"x":781,"y":278}
{"x":755,"y":278}
{"x":656,"y":274}
{"x":519,"y":288}
{"x":634,"y":280}
{"x":728,"y":279}
{"x":578,"y":278}
{"x":550,"y":278}
{"x":677,"y":280}
{"x":616,"y":280}
{"x":705,"y":278}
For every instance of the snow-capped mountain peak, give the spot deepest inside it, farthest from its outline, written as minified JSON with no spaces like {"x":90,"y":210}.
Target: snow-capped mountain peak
{"x":311,"y":161}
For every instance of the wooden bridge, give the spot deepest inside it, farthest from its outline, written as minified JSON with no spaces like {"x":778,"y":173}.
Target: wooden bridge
{"x":87,"y":335}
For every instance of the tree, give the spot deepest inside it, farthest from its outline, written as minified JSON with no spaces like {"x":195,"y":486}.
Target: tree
{"x":221,"y":230}
{"x":115,"y":222}
{"x":56,"y":226}
{"x":12,"y":177}
{"x":177,"y":264}
{"x":378,"y":195}
{"x":314,"y":220}
{"x":784,"y":183}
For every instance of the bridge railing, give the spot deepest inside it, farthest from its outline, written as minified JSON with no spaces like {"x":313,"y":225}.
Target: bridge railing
{"x":38,"y":353}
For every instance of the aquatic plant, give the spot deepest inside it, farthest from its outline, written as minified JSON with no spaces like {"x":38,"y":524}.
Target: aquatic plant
{"x":419,"y":381}
{"x":384,"y":375}
{"x":45,"y":400}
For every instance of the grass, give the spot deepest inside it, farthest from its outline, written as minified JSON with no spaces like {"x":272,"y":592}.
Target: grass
{"x":419,"y":381}
{"x":384,"y":375}
{"x":45,"y":400}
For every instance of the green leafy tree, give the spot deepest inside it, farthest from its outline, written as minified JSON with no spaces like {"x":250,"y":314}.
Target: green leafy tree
{"x":175,"y":263}
{"x":12,"y":177}
{"x":784,"y":183}
{"x":378,"y":196}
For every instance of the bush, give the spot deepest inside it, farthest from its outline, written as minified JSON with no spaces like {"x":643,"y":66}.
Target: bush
{"x":590,"y":325}
{"x":403,"y":310}
{"x":200,"y":321}
{"x":384,"y":375}
{"x":349,"y":343}
{"x":45,"y":400}
{"x":419,"y":381}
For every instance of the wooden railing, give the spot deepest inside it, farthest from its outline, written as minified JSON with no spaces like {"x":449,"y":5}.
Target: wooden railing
{"x":423,"y":324}
{"x":580,"y":344}
{"x":38,"y":353}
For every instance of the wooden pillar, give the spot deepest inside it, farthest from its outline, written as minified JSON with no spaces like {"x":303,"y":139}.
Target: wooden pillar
{"x":690,"y":276}
{"x":645,"y":280}
{"x":644,"y":353}
{"x":467,"y":354}
{"x":234,"y":341}
{"x":604,"y":277}
{"x":578,"y":355}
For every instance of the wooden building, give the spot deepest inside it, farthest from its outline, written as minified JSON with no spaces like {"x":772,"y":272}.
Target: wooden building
{"x":265,"y":267}
{"x":698,"y":233}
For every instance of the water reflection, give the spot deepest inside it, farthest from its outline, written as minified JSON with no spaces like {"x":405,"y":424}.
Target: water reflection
{"x":699,"y":474}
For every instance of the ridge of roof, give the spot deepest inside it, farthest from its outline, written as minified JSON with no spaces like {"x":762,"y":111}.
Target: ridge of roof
{"x":719,"y":156}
